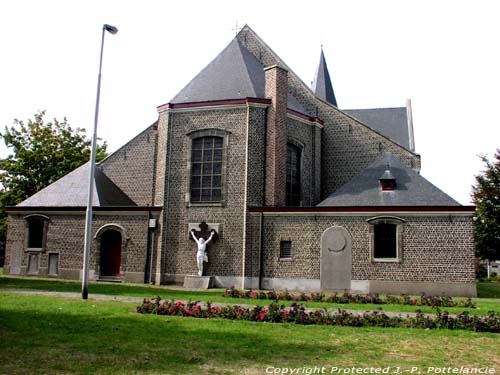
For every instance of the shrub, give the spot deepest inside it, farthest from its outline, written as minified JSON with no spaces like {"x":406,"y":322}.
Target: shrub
{"x":346,"y":298}
{"x":297,"y":314}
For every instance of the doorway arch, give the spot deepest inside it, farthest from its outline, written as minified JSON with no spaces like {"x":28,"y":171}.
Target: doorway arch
{"x":112,"y":243}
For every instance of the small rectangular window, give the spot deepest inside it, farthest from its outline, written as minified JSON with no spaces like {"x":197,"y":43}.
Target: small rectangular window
{"x":285,"y":249}
{"x":35,"y":233}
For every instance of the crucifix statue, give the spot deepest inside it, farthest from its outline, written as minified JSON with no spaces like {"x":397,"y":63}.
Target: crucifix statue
{"x":202,"y":241}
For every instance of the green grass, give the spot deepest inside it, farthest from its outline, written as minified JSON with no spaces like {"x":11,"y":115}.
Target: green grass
{"x":214,"y":295}
{"x":55,"y":335}
{"x":488,"y":289}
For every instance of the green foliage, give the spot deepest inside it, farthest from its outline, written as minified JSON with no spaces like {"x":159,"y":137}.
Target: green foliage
{"x":42,"y":152}
{"x":486,"y":197}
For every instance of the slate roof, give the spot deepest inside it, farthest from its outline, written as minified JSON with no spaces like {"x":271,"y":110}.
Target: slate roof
{"x":391,"y":122}
{"x":72,"y":190}
{"x":411,"y":188}
{"x":234,"y":74}
{"x":322,"y":84}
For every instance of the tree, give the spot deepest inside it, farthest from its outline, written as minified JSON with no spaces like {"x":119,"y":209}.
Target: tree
{"x":42,"y":152}
{"x":486,"y":197}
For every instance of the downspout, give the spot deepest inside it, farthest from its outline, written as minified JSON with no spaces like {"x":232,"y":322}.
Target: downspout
{"x":165,"y":197}
{"x":245,"y":198}
{"x":151,"y":241}
{"x":261,"y":249}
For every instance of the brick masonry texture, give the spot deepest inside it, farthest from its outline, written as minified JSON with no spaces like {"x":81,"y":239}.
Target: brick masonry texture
{"x":435,"y":249}
{"x":65,"y":237}
{"x":132,"y":167}
{"x":303,"y":135}
{"x":276,"y":88}
{"x":178,"y":251}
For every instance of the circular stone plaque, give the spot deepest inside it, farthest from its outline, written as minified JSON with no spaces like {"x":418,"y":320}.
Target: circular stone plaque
{"x":337,"y":242}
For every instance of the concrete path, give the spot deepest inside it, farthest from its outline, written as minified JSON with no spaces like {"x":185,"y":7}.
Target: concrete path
{"x":138,"y":300}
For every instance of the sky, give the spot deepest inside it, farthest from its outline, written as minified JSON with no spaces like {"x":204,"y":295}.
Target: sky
{"x":443,"y":55}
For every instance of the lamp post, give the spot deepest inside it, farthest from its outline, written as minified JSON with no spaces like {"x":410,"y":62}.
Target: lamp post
{"x":88,"y":217}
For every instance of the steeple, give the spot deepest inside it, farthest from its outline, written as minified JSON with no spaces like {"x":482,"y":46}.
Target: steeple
{"x":322,"y":85}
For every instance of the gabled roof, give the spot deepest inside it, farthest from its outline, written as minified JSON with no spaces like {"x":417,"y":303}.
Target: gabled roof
{"x":234,"y":74}
{"x":322,"y":84}
{"x":391,"y":122}
{"x":411,"y":188}
{"x":72,"y":191}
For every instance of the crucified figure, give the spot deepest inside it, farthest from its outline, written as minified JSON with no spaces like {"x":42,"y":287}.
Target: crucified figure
{"x":201,"y":255}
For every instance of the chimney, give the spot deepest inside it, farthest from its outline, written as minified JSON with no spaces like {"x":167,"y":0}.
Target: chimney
{"x":276,"y":89}
{"x":409,"y":115}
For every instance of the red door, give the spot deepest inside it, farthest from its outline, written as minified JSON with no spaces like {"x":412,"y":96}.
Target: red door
{"x":111,"y":253}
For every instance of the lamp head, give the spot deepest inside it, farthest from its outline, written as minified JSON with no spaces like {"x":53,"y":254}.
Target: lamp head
{"x":112,"y":29}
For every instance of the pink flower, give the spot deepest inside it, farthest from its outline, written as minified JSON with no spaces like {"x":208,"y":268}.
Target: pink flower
{"x":180,"y":304}
{"x":261,"y":316}
{"x":188,"y":311}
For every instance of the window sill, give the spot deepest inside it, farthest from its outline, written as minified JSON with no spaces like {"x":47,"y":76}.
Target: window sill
{"x":34,"y":250}
{"x":205,"y":204}
{"x":386,"y":260}
{"x":286,"y":259}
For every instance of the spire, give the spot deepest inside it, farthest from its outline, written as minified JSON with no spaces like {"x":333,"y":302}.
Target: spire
{"x":322,"y":85}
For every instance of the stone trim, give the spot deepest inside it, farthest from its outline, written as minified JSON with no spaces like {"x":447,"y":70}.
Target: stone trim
{"x":124,"y":239}
{"x":399,"y":237}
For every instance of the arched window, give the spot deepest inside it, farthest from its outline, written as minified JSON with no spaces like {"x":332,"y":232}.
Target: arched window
{"x":206,"y":169}
{"x":36,"y":226}
{"x":293,"y":183}
{"x":386,"y":238}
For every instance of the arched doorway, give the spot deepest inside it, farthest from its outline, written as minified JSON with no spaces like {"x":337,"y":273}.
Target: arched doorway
{"x":111,"y":253}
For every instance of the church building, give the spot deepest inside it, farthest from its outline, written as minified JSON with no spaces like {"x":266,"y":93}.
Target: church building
{"x":302,"y":195}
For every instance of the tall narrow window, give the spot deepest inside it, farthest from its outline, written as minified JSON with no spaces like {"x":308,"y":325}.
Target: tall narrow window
{"x":206,"y":169}
{"x":36,"y":226}
{"x":385,"y":241}
{"x":293,"y":183}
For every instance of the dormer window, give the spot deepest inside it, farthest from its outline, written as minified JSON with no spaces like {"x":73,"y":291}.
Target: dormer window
{"x":387,"y":181}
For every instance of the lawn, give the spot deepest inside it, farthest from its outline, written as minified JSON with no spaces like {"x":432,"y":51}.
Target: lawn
{"x":215,"y":295}
{"x":55,"y":335}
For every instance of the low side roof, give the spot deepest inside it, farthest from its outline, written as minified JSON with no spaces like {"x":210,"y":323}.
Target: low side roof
{"x":391,"y":122}
{"x":72,"y":191}
{"x":411,"y":188}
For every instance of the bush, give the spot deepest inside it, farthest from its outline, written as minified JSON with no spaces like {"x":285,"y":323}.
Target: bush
{"x":346,"y":298}
{"x":297,"y":314}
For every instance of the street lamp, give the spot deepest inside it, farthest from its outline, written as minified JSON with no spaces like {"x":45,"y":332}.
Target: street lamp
{"x":88,"y":217}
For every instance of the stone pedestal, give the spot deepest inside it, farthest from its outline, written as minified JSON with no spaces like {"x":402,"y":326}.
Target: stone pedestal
{"x":198,"y":282}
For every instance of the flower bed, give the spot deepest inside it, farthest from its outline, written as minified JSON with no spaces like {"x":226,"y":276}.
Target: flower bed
{"x":296,"y":313}
{"x":345,"y":298}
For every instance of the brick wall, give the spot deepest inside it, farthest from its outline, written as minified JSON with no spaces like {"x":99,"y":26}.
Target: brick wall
{"x":132,"y":167}
{"x":65,"y":236}
{"x":303,"y":135}
{"x":178,"y":251}
{"x":435,"y":248}
{"x":276,"y":88}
